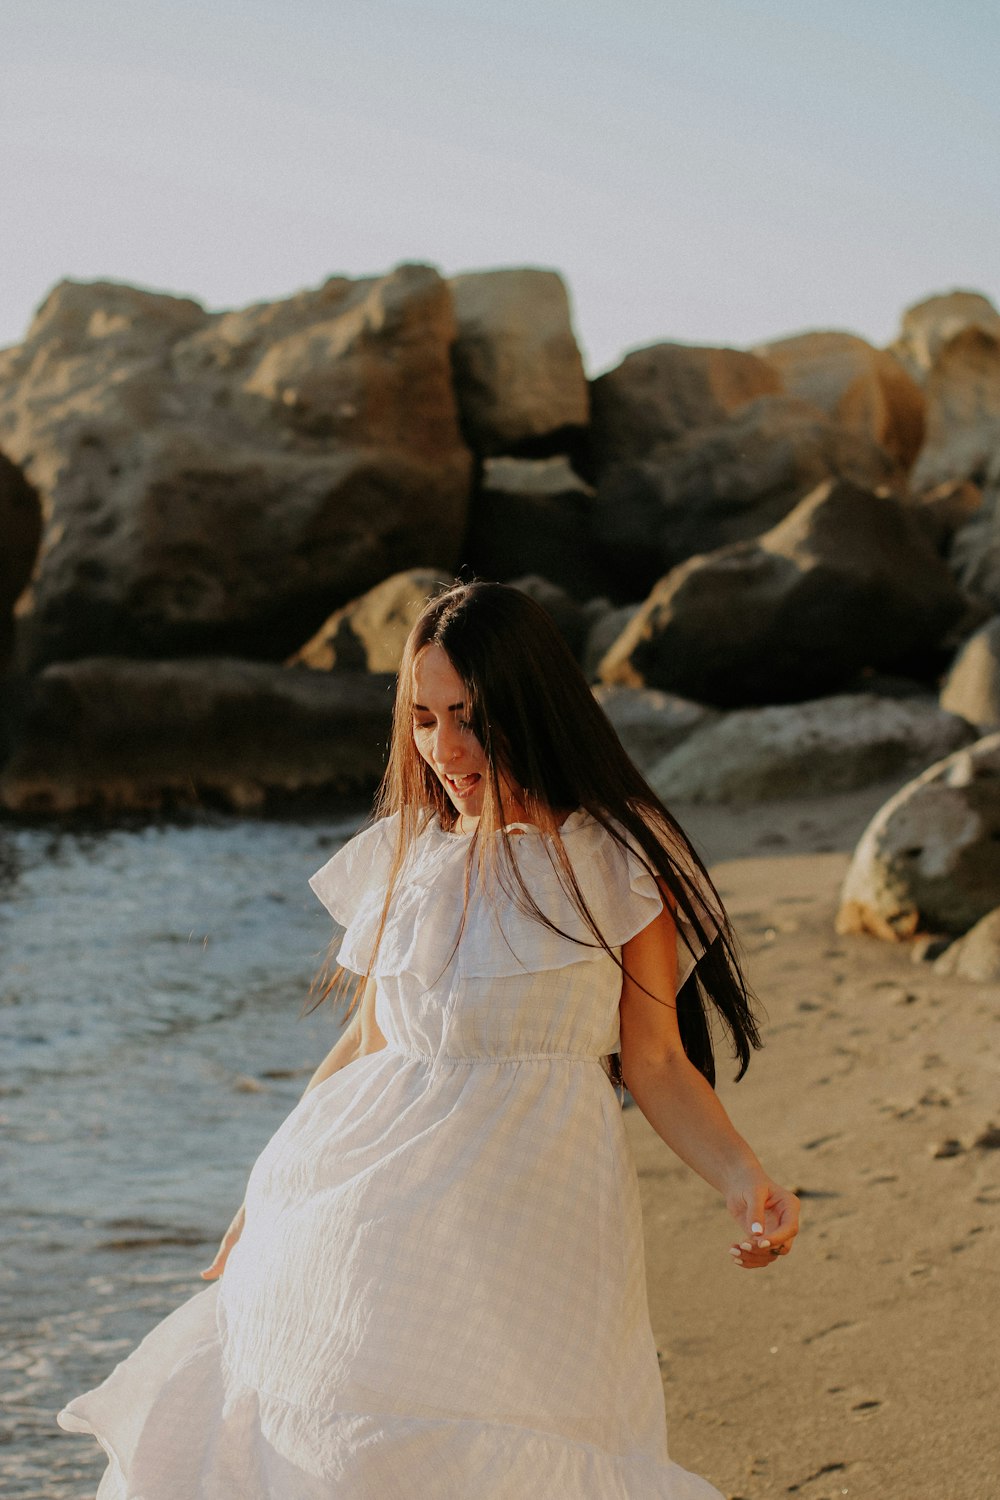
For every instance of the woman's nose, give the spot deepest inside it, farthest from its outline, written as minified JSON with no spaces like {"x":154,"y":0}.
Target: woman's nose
{"x":447,"y":744}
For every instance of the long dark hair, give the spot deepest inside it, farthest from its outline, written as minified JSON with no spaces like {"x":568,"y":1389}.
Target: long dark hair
{"x":541,"y":728}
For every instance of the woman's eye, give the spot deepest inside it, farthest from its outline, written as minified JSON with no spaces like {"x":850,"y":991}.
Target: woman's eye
{"x":428,"y":724}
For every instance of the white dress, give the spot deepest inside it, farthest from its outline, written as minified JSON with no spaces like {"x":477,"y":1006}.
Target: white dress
{"x":440,"y":1291}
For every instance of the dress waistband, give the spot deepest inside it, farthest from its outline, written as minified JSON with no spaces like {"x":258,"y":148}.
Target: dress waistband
{"x":500,"y":1060}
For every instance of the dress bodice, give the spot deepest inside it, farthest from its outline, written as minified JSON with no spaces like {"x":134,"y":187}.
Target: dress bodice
{"x":504,"y":985}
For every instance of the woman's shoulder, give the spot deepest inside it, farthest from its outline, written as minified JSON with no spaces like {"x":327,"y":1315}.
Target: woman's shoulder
{"x":609,"y":870}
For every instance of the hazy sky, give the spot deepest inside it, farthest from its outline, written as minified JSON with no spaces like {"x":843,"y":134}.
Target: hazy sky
{"x":709,"y":171}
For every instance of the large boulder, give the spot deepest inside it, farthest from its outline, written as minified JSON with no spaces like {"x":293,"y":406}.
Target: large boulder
{"x":20,"y":534}
{"x":649,"y":723}
{"x":849,"y":580}
{"x":518,"y":372}
{"x":570,"y":617}
{"x":533,"y":516}
{"x":368,"y":635}
{"x":864,"y":389}
{"x":606,"y":624}
{"x":972,"y":687}
{"x":219,"y":482}
{"x":930,"y":858}
{"x":118,"y":735}
{"x":807,"y":749}
{"x":974,"y":551}
{"x":976,"y":955}
{"x":722,"y":484}
{"x":963,"y":410}
{"x":658,"y":394}
{"x":947,"y":509}
{"x":929,"y":325}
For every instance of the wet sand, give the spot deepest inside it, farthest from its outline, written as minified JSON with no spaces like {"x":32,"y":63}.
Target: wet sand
{"x":865,"y":1364}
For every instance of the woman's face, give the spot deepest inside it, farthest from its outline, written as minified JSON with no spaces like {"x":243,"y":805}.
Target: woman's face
{"x":442,"y":733}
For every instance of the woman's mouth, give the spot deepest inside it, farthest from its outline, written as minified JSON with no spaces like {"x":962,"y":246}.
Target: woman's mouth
{"x":461,"y":786}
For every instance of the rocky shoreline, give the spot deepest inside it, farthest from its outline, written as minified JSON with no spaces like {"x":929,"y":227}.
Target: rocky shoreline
{"x":780,"y":567}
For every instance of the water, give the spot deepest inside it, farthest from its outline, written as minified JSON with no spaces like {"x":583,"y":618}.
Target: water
{"x":151,"y":983}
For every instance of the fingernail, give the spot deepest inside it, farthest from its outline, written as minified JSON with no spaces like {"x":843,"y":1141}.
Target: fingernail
{"x":733,"y":1250}
{"x":737,"y":1262}
{"x":763,"y":1244}
{"x":757,"y":1228}
{"x":745,"y":1246}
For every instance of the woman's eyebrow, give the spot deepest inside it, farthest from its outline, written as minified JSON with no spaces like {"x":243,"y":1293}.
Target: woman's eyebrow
{"x":420,"y":708}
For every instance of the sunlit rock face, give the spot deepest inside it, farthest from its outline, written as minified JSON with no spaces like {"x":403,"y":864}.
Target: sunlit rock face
{"x":951,"y":344}
{"x":220,"y":482}
{"x":865,"y":389}
{"x":930,"y":858}
{"x":518,"y":373}
{"x":369,"y":633}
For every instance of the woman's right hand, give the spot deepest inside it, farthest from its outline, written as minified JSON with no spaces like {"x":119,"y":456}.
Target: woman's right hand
{"x":232,"y":1234}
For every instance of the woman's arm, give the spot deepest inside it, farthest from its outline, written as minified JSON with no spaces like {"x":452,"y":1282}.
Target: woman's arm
{"x":681,"y":1104}
{"x":360,"y":1036}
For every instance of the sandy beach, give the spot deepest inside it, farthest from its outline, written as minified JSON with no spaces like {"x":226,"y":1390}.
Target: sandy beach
{"x":865,"y":1364}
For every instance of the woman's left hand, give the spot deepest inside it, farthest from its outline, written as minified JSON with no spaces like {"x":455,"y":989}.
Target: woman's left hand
{"x":769,"y":1217}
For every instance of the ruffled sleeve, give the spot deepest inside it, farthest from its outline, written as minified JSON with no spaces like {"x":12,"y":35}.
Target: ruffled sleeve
{"x":619,"y":889}
{"x":352,"y":886}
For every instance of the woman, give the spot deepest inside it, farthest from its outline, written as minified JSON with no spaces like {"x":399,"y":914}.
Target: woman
{"x":435,"y":1288}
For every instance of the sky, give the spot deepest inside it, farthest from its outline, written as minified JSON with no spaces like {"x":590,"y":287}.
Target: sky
{"x":709,"y":171}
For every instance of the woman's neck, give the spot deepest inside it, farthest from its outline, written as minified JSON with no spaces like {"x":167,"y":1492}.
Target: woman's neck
{"x":466,"y":824}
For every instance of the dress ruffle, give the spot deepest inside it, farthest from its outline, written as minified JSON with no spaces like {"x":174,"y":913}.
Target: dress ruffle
{"x":241,"y":1444}
{"x":618,"y":887}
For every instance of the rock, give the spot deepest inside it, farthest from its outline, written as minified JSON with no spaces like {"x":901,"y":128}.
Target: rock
{"x":807,"y":749}
{"x":533,"y":516}
{"x":571,"y":617}
{"x":20,"y":534}
{"x":606,"y":625}
{"x":887,"y":685}
{"x":518,"y":373}
{"x":929,"y":325}
{"x":950,"y":1146}
{"x":926,"y":947}
{"x":220,"y":482}
{"x":972,"y":687}
{"x":946,"y":508}
{"x":847,"y":581}
{"x":368,"y":635}
{"x":864,"y":389}
{"x":977,"y":954}
{"x":657,"y":395}
{"x":963,"y":410}
{"x":930,"y":858}
{"x":974,"y":553}
{"x":722,"y":484}
{"x":116,"y":735}
{"x":650,"y":723}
